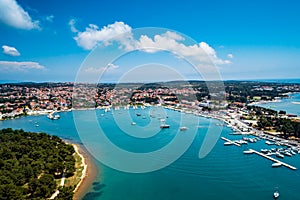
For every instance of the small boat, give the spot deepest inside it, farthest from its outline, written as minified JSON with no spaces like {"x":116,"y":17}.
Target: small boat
{"x":133,"y":123}
{"x":247,"y":152}
{"x":138,"y":114}
{"x":50,"y":116}
{"x":264,"y":150}
{"x":183,"y":128}
{"x":269,"y":143}
{"x":56,"y":117}
{"x":164,"y":126}
{"x":276,"y":164}
{"x":279,"y":155}
{"x":228,"y":143}
{"x":276,"y":194}
{"x":287,"y":153}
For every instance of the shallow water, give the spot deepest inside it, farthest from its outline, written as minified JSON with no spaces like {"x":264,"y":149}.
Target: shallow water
{"x":225,"y":173}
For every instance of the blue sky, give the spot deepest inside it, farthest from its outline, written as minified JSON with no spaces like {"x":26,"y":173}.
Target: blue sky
{"x":246,"y":39}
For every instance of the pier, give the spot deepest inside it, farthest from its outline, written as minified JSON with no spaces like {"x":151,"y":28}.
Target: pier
{"x":232,"y":142}
{"x":273,"y":159}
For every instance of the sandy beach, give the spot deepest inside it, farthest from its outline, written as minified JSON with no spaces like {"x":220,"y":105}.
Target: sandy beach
{"x":89,"y":173}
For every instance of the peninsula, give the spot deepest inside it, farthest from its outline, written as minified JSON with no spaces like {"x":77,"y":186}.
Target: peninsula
{"x":38,"y":166}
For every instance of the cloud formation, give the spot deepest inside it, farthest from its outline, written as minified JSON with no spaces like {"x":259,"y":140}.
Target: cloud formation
{"x":20,"y":66}
{"x":72,"y":23}
{"x":11,"y":51}
{"x":12,"y":14}
{"x":92,"y":35}
{"x":49,"y":18}
{"x":230,"y":55}
{"x":122,"y":33}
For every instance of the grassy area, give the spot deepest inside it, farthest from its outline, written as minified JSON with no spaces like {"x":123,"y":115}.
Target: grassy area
{"x":74,"y":180}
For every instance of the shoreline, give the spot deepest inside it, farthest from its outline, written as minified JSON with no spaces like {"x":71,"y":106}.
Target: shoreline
{"x":89,"y":172}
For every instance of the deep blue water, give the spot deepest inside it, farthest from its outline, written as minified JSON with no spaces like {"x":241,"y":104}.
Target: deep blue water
{"x":225,"y":173}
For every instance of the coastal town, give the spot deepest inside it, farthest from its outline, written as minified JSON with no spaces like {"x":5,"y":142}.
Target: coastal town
{"x":37,"y":98}
{"x":236,"y":101}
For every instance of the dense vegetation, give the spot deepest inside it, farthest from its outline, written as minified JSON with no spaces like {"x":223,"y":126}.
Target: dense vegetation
{"x":30,"y":163}
{"x":271,"y":120}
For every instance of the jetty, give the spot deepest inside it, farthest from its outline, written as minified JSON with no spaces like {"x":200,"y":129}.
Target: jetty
{"x":232,"y":142}
{"x":273,"y":159}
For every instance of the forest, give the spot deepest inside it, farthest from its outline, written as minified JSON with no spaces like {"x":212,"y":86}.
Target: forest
{"x":30,"y":164}
{"x":271,"y":120}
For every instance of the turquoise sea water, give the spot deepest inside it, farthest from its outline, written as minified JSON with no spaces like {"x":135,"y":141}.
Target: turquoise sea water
{"x":225,"y":173}
{"x":291,"y":105}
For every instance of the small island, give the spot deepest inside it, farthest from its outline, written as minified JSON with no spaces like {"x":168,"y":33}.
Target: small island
{"x":38,"y":166}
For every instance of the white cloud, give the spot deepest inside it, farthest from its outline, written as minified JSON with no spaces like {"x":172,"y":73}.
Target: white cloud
{"x":12,"y":14}
{"x":19,"y":66}
{"x":230,"y":55}
{"x":94,"y":70}
{"x":12,"y":51}
{"x":112,"y":66}
{"x":99,"y":70}
{"x":168,"y":41}
{"x":72,"y":23}
{"x":92,"y":35}
{"x":50,"y":18}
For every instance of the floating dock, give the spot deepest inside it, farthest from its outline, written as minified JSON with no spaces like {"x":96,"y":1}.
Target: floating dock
{"x":232,"y":142}
{"x":273,"y":159}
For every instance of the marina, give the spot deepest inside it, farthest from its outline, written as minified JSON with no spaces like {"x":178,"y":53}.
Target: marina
{"x":230,"y":141}
{"x":235,"y":168}
{"x":273,"y":159}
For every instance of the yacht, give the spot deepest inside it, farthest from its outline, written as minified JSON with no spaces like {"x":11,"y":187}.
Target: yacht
{"x":276,"y":164}
{"x":269,"y":143}
{"x":247,"y":152}
{"x":183,"y":128}
{"x":227,"y":143}
{"x":164,"y":126}
{"x":287,"y":153}
{"x":276,"y":194}
{"x":264,"y":151}
{"x":279,"y":155}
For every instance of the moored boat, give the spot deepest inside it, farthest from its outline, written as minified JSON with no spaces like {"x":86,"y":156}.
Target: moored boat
{"x":276,"y":164}
{"x":228,"y":143}
{"x":279,"y":155}
{"x":247,"y":152}
{"x":164,"y":126}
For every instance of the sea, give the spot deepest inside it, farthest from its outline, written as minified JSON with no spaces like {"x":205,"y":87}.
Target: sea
{"x":290,"y":104}
{"x":189,"y":164}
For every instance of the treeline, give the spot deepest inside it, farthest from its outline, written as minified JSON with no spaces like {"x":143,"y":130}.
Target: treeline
{"x":269,"y":119}
{"x":30,"y":163}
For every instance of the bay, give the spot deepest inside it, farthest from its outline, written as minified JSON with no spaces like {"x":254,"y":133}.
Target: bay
{"x":225,"y":173}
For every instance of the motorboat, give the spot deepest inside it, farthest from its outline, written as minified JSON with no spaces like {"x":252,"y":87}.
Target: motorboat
{"x":264,"y":150}
{"x":276,"y":194}
{"x":164,"y":126}
{"x":279,"y":155}
{"x":247,"y":152}
{"x":183,"y":128}
{"x":269,"y":143}
{"x":227,"y":143}
{"x":276,"y":164}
